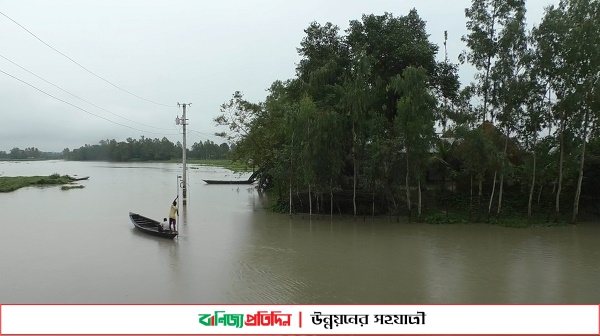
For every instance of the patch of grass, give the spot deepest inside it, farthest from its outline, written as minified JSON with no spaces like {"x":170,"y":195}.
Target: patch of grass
{"x":455,"y":216}
{"x":442,"y":218}
{"x":278,"y":207}
{"x":524,"y":222}
{"x":67,"y":187}
{"x":236,"y":167}
{"x":12,"y":183}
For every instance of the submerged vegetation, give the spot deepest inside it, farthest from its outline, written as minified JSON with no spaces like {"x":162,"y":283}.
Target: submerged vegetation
{"x":235,"y":167}
{"x":373,"y":123}
{"x":68,"y":187}
{"x":10,"y":183}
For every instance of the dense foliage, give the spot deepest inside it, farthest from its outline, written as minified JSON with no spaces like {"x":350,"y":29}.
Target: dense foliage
{"x":29,"y":153}
{"x":146,"y":149}
{"x":373,"y":123}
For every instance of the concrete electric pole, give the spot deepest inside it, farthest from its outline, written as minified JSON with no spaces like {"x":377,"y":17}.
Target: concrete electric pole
{"x":183,"y":122}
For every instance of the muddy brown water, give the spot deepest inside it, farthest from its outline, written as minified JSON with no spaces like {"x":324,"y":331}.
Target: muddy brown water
{"x":78,"y":246}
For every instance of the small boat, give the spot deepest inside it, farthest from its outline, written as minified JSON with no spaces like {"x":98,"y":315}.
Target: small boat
{"x":78,"y":178}
{"x":150,"y":226}
{"x":228,"y":182}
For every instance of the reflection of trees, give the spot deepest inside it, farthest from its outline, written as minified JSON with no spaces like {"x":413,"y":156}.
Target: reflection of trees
{"x":328,"y":262}
{"x":302,"y":261}
{"x":496,"y":265}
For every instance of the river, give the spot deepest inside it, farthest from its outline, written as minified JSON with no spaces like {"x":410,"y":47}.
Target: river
{"x":78,"y":246}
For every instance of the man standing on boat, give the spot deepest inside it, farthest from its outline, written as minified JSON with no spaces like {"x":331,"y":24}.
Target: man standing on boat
{"x":174,"y":211}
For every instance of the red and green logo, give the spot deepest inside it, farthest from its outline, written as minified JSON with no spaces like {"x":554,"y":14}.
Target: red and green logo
{"x":261,"y":318}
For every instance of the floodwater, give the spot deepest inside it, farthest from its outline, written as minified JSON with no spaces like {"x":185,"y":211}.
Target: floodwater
{"x":78,"y":246}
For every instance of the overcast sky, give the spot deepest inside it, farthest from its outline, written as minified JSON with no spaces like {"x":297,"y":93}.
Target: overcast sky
{"x":167,"y":51}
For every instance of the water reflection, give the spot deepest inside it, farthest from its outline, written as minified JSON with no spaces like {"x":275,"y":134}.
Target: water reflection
{"x":184,"y":217}
{"x":324,"y":261}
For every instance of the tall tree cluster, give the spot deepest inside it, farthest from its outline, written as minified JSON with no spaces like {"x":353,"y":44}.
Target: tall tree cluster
{"x":373,"y":123}
{"x":145,"y":149}
{"x":28,"y":154}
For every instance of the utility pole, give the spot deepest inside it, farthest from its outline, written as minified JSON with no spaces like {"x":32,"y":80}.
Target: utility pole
{"x":183,"y":122}
{"x":444,"y":120}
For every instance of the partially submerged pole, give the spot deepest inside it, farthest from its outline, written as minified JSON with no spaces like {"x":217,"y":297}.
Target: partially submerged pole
{"x":183,"y":122}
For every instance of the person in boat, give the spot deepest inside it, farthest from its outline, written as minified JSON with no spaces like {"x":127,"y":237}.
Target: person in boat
{"x":163,"y":226}
{"x":172,"y":213}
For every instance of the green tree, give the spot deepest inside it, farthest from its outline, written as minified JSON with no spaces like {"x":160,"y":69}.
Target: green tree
{"x":415,"y":125}
{"x":508,"y":78}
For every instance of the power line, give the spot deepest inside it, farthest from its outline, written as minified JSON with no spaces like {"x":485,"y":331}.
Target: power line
{"x":203,"y":134}
{"x":202,"y":137}
{"x":77,"y":107}
{"x":207,"y":134}
{"x":81,"y":66}
{"x":74,"y":95}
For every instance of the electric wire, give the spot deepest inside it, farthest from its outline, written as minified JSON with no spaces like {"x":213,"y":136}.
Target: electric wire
{"x":77,"y":107}
{"x":196,"y":134}
{"x":204,"y":134}
{"x":74,"y":95}
{"x":81,"y":66}
{"x":202,"y":139}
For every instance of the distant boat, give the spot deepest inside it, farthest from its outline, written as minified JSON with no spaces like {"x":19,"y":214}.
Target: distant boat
{"x":150,"y":226}
{"x":78,"y":178}
{"x":228,"y":182}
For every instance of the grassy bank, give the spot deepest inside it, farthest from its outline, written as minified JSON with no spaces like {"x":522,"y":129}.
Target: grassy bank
{"x":236,"y":167}
{"x":10,"y":183}
{"x":453,"y":209}
{"x":8,"y":160}
{"x":514,"y":220}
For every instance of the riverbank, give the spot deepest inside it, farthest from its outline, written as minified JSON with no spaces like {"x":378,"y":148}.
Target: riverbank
{"x":456,"y":216}
{"x":30,"y":159}
{"x":441,"y":218}
{"x":12,"y":183}
{"x":236,"y":167}
{"x":452,"y":210}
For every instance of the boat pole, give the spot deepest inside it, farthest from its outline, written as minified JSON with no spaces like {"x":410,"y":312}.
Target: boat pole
{"x":178,"y":177}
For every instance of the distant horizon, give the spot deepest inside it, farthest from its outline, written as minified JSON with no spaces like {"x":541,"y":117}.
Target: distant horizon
{"x":189,"y":144}
{"x":161,"y":53}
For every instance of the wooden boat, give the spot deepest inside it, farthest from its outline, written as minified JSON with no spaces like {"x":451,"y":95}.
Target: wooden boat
{"x":150,"y":226}
{"x":78,"y":178}
{"x":228,"y":182}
